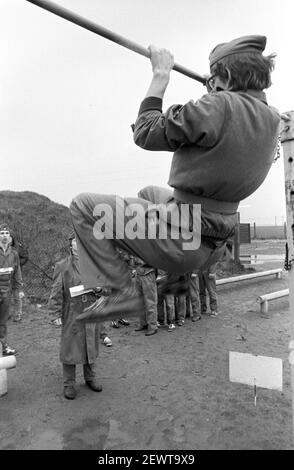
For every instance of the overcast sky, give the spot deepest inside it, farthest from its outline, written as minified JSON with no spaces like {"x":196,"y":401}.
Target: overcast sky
{"x":68,"y":96}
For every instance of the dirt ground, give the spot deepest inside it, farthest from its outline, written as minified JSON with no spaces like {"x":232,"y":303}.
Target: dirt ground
{"x":170,"y":391}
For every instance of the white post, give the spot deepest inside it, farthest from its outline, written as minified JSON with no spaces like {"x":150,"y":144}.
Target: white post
{"x":264,"y":306}
{"x":3,"y":376}
{"x":7,"y":362}
{"x":287,"y":139}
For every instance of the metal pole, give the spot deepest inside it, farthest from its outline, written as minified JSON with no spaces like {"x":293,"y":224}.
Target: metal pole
{"x":106,"y":33}
{"x":287,"y":139}
{"x":237,"y":241}
{"x":273,"y":295}
{"x":254,"y":228}
{"x":245,"y":277}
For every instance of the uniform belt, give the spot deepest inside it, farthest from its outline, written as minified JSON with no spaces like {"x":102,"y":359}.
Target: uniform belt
{"x":87,"y":297}
{"x":212,"y":205}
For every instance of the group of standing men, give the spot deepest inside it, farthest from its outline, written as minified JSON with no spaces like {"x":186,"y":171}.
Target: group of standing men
{"x":163,"y":308}
{"x":80,"y":340}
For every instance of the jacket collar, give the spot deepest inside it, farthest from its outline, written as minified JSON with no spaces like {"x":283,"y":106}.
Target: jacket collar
{"x":5,"y":252}
{"x":260,"y":95}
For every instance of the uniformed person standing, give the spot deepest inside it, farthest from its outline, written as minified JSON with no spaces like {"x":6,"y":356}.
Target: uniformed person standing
{"x":166,"y":306}
{"x":17,"y":297}
{"x":10,"y":283}
{"x":79,"y":341}
{"x":193,"y":299}
{"x":207,"y":283}
{"x":147,"y":287}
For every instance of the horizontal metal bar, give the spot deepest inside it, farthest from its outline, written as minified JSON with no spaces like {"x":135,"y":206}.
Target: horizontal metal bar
{"x":108,"y":34}
{"x":245,"y":277}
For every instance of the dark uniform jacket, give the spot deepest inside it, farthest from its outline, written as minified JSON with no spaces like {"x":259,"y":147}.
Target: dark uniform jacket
{"x":79,"y":340}
{"x":224,"y":145}
{"x":13,"y":279}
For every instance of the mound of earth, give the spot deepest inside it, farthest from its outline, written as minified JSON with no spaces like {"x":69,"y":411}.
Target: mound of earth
{"x":42,"y":226}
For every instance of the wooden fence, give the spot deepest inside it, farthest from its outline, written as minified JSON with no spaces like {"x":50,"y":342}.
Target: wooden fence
{"x":268,"y":232}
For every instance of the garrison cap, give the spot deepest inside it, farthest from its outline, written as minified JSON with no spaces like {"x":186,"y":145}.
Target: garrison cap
{"x":4,"y":227}
{"x":253,"y":43}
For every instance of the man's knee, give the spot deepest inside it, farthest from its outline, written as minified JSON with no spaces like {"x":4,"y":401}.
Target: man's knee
{"x":77,"y":201}
{"x":146,"y":193}
{"x":81,"y":204}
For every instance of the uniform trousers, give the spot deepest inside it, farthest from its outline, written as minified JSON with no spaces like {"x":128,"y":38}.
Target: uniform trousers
{"x":4,"y":316}
{"x":148,"y":288}
{"x":69,"y":373}
{"x":101,"y":265}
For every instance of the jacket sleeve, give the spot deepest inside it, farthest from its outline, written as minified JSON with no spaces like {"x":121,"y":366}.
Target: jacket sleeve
{"x":23,"y":254}
{"x":199,"y":123}
{"x":17,"y":283}
{"x":56,"y":299}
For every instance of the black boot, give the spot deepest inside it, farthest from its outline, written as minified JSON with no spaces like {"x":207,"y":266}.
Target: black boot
{"x":93,"y":385}
{"x":70,"y":392}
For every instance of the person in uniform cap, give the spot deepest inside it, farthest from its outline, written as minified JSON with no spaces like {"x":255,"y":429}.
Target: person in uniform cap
{"x":79,"y":342}
{"x":223,"y":146}
{"x":10,"y":281}
{"x":17,"y":296}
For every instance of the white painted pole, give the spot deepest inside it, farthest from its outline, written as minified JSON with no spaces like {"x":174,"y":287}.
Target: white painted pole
{"x":3,"y":382}
{"x":3,"y":377}
{"x":264,"y":306}
{"x":273,"y":295}
{"x":287,"y":140}
{"x":264,"y":299}
{"x":7,"y":362}
{"x":245,"y":277}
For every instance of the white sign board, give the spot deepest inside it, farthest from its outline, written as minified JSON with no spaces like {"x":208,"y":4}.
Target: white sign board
{"x":78,"y":290}
{"x":262,"y":371}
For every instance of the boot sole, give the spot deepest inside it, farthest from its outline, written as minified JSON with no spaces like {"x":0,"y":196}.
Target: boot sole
{"x":129,"y":307}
